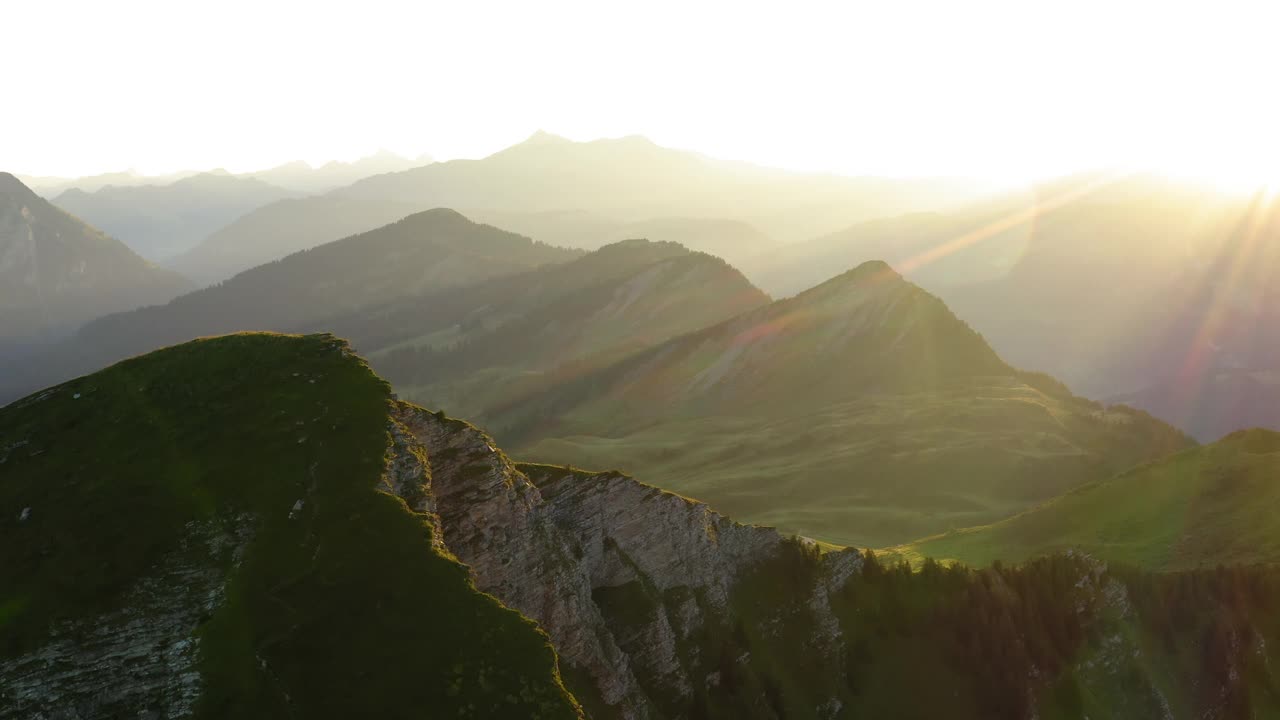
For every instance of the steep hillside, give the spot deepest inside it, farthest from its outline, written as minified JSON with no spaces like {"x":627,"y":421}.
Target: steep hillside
{"x":159,"y":221}
{"x":56,"y":272}
{"x":625,"y":180}
{"x":860,"y":412}
{"x":210,"y":531}
{"x":491,"y":343}
{"x":1201,"y":507}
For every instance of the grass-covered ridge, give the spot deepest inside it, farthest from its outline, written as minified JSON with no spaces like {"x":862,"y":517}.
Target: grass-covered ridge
{"x":861,"y":412}
{"x":338,"y":606}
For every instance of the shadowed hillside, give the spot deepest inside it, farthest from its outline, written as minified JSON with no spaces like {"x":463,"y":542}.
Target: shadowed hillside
{"x":211,"y":531}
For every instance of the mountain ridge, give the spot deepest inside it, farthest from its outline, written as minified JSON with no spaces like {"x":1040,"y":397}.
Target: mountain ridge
{"x":567,"y":176}
{"x":859,"y":399}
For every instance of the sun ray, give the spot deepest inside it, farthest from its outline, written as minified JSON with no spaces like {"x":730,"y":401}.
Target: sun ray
{"x":1008,"y":222}
{"x":1197,"y":366}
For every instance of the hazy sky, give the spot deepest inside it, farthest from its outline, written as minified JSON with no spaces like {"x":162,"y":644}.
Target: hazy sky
{"x":1002,"y":90}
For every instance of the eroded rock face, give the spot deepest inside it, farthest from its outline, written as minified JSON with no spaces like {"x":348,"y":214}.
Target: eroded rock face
{"x":626,"y":578}
{"x":139,"y":661}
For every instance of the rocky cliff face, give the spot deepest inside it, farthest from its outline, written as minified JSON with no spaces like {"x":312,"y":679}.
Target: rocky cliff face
{"x":629,"y":581}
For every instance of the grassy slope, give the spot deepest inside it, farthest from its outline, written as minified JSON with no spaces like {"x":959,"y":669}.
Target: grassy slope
{"x":490,"y":345}
{"x":860,"y":413}
{"x":350,"y":605}
{"x":1204,"y":506}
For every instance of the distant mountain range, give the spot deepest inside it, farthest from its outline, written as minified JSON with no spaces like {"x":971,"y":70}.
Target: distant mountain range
{"x":56,"y":272}
{"x":297,"y":176}
{"x":302,"y":177}
{"x":435,"y":250}
{"x":162,"y":216}
{"x":49,"y":186}
{"x":551,"y":185}
{"x":159,"y":221}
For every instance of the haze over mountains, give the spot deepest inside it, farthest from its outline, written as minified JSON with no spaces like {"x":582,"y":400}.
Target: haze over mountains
{"x":435,"y":250}
{"x":159,"y":221}
{"x":297,"y":176}
{"x":546,"y":177}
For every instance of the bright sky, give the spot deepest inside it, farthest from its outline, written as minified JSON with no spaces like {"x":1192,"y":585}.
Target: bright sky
{"x":999,"y":90}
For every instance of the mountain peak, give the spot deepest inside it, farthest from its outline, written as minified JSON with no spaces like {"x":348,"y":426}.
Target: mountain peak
{"x":542,"y":137}
{"x":872,"y":270}
{"x":870,"y":274}
{"x":435,"y":216}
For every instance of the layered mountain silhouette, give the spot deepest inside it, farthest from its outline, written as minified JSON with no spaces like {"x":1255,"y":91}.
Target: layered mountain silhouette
{"x":860,"y":412}
{"x":436,"y":250}
{"x":624,"y":180}
{"x":50,"y":186}
{"x":280,"y":229}
{"x":491,"y":343}
{"x":736,"y":241}
{"x":297,"y":176}
{"x":158,"y":221}
{"x":302,"y":177}
{"x":57,"y":272}
{"x":1202,"y":507}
